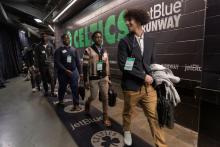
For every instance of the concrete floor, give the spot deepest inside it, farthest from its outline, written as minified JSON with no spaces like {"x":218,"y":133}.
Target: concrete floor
{"x":28,"y":120}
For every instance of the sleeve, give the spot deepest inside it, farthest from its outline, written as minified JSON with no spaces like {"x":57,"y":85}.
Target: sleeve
{"x":153,"y":54}
{"x":78,"y":64}
{"x":122,"y":57}
{"x":86,"y":66}
{"x":52,"y":50}
{"x":57,"y":60}
{"x":108,"y":66}
{"x":36,"y":56}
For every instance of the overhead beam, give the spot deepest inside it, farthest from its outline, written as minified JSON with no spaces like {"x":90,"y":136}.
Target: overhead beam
{"x":28,"y":9}
{"x":3,"y":15}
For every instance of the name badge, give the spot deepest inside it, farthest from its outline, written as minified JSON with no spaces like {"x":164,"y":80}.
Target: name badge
{"x":99,"y":66}
{"x":129,"y":63}
{"x":69,"y":59}
{"x":43,"y":52}
{"x":64,"y":51}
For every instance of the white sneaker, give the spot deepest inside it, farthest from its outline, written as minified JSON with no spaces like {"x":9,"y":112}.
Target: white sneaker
{"x":127,"y":138}
{"x":34,"y":90}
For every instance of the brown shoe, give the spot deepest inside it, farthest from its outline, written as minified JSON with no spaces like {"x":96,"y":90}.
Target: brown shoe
{"x":76,"y":108}
{"x":106,"y":120}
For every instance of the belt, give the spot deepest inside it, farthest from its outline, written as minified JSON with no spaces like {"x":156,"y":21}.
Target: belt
{"x":96,"y":77}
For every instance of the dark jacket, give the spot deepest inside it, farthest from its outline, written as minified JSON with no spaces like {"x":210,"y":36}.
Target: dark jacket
{"x":129,"y":47}
{"x":43,"y":56}
{"x":60,"y":59}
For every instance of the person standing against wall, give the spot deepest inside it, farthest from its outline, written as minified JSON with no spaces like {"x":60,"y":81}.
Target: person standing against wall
{"x":43,"y":58}
{"x":68,"y":68}
{"x":96,"y":74}
{"x":135,"y":54}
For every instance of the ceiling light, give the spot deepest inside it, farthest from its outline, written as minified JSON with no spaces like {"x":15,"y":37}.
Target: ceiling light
{"x":51,"y":28}
{"x":64,"y":10}
{"x":38,"y":20}
{"x":22,"y":31}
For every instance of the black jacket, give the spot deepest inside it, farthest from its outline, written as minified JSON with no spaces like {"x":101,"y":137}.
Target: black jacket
{"x":129,"y":47}
{"x":42,"y":55}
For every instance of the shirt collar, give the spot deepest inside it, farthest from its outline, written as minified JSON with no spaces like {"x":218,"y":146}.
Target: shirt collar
{"x":99,"y":48}
{"x":66,"y":47}
{"x":141,"y":37}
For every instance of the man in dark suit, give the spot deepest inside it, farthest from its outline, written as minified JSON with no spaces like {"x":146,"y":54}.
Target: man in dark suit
{"x":135,"y":54}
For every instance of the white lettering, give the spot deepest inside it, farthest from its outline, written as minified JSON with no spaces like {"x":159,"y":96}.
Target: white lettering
{"x":157,"y":11}
{"x":170,"y":23}
{"x":154,"y":25}
{"x":193,"y":67}
{"x":177,"y":7}
{"x":164,"y":16}
{"x":162,"y":23}
{"x":168,"y":10}
{"x":171,"y":66}
{"x":85,"y":122}
{"x":177,"y":20}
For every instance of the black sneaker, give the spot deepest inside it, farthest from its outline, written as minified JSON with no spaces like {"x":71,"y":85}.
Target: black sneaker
{"x":61,"y":104}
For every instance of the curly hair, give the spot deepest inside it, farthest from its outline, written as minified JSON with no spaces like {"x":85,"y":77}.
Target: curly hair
{"x":139,"y":15}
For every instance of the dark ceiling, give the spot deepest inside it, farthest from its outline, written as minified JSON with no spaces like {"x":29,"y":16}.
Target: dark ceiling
{"x":78,"y":7}
{"x":25,"y":11}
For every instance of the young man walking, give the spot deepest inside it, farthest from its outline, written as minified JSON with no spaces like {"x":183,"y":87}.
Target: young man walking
{"x":135,"y":54}
{"x":68,"y":67}
{"x":43,"y":58}
{"x":96,"y":74}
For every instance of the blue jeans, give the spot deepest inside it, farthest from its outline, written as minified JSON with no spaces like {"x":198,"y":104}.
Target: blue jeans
{"x":63,"y":80}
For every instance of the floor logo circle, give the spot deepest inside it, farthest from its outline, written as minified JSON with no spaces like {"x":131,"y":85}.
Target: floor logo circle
{"x":107,"y":138}
{"x":68,"y":109}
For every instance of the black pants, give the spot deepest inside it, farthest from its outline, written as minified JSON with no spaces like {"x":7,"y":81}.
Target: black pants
{"x":47,"y":78}
{"x":35,"y":78}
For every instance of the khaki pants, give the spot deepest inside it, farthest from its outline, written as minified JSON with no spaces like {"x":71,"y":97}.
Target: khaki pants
{"x":147,"y":97}
{"x":101,"y":86}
